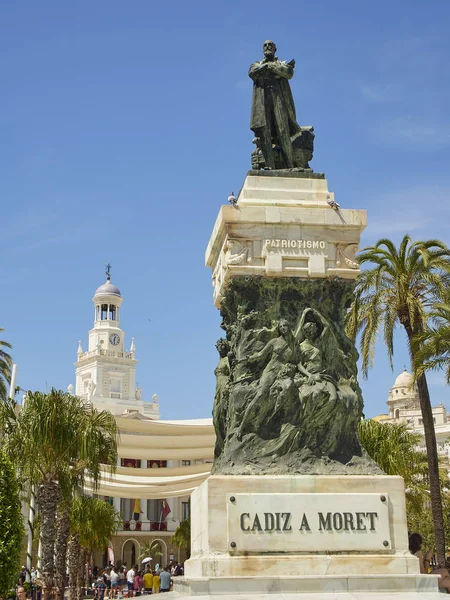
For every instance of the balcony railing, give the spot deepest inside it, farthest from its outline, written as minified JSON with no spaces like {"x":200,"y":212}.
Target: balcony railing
{"x":111,"y":353}
{"x":132,"y":525}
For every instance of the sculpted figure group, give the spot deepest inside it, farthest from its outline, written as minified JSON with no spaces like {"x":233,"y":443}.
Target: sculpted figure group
{"x":284,"y":390}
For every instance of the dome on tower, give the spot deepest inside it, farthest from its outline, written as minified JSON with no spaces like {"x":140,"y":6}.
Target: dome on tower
{"x":405,"y":379}
{"x":107,"y":289}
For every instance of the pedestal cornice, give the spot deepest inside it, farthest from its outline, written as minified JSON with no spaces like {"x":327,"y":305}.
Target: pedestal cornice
{"x":284,"y":227}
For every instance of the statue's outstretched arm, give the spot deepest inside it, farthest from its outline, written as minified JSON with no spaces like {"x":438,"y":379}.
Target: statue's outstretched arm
{"x":298,"y":330}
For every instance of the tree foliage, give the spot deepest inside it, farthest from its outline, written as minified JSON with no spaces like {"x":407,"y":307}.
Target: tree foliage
{"x":95,"y":521}
{"x":395,"y":449}
{"x":182,"y":536}
{"x":11,"y":529}
{"x":400,"y":288}
{"x":5,"y":368}
{"x":432,"y":346}
{"x":152,"y":548}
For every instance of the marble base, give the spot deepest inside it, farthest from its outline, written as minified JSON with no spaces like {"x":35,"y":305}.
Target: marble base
{"x":218,"y":567}
{"x":422,"y":587}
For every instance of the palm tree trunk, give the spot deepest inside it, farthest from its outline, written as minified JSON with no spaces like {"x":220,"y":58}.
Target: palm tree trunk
{"x":73,"y":551}
{"x":432,"y":457}
{"x":62,"y":538}
{"x":48,"y":497}
{"x":433,"y":468}
{"x":80,"y":575}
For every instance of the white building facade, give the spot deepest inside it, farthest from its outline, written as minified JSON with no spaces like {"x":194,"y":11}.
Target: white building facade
{"x":404,"y":407}
{"x":160,"y":462}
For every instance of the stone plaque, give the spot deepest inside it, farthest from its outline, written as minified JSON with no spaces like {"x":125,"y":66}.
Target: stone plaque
{"x":308,"y":522}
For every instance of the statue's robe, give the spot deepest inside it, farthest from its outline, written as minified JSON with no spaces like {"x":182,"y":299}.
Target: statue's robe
{"x":279,"y":86}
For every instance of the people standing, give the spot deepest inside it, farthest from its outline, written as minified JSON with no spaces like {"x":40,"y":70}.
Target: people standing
{"x":131,"y":574}
{"x":100,"y":588}
{"x":138,"y":581}
{"x":166,"y":580}
{"x":156,"y":582}
{"x":148,"y":581}
{"x":114,"y":576}
{"x":107,"y":580}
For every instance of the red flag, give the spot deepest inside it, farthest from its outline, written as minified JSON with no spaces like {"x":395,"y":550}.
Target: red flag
{"x":165,"y":510}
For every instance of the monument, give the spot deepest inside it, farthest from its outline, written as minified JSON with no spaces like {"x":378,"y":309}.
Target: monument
{"x":294,"y":504}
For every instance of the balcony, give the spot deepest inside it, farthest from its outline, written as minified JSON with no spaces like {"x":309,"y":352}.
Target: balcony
{"x":132,"y":525}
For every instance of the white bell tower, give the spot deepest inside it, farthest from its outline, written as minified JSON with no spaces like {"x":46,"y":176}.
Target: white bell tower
{"x":106,"y":373}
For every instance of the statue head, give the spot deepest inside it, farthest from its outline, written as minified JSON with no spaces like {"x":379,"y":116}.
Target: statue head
{"x":222,"y":347}
{"x":269,"y":49}
{"x":283,"y":327}
{"x":310,"y":330}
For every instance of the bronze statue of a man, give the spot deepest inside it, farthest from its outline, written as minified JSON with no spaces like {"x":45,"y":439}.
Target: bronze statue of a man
{"x":273,"y":119}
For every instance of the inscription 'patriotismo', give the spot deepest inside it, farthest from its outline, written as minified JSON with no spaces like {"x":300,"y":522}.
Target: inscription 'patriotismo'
{"x":308,"y":522}
{"x":301,"y":244}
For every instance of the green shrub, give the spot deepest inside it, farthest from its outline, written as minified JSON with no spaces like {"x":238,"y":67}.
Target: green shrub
{"x":11,"y":526}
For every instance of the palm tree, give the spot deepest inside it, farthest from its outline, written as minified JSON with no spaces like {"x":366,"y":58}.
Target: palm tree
{"x":5,"y":368}
{"x":92,"y":524}
{"x":432,"y":346}
{"x":400,"y":288}
{"x":182,"y":536}
{"x":54,"y":440}
{"x":97,"y":445}
{"x":152,"y":548}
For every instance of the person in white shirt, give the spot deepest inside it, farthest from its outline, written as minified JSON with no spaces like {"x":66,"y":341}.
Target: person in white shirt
{"x":130,"y":580}
{"x":114,"y":582}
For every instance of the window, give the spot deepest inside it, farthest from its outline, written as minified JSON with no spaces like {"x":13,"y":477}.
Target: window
{"x":112,"y":312}
{"x":184,"y":511}
{"x":185,"y":463}
{"x":104,"y":312}
{"x":114,"y":386}
{"x":134,"y":463}
{"x":156,"y":464}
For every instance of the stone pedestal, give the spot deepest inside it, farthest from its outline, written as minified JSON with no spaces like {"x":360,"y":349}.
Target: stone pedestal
{"x":233,"y":557}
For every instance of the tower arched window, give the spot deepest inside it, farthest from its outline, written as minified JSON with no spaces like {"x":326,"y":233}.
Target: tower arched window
{"x":112,"y":312}
{"x":397,"y":413}
{"x":104,"y":312}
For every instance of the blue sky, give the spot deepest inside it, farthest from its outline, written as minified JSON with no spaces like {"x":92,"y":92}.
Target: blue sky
{"x":124,"y":127}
